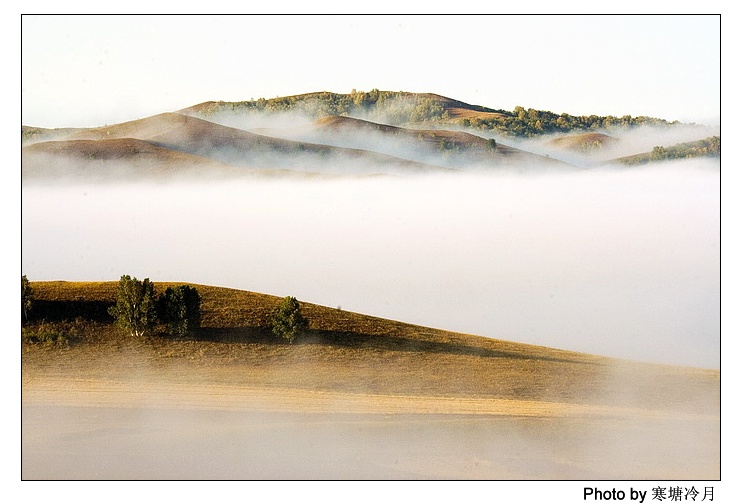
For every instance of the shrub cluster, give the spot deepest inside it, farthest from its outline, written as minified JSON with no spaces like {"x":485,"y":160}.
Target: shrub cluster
{"x":288,"y":322}
{"x":26,"y":298}
{"x":180,"y":309}
{"x":135,"y":310}
{"x":708,"y":147}
{"x":56,"y":334}
{"x":394,"y":107}
{"x":138,"y":308}
{"x":398,"y":107}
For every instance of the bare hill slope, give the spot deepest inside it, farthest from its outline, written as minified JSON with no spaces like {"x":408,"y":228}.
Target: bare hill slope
{"x":183,"y":134}
{"x":584,"y":141}
{"x":112,"y":159}
{"x":455,"y":149}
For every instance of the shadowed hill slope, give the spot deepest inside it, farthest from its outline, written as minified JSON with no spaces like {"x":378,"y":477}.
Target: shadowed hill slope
{"x":432,"y":138}
{"x":456,"y":149}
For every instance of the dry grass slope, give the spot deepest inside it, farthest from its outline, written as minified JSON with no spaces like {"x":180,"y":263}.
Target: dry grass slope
{"x":583,"y":141}
{"x":114,"y":159}
{"x":352,"y":353}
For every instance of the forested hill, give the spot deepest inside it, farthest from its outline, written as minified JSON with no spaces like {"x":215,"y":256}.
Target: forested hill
{"x":405,"y":108}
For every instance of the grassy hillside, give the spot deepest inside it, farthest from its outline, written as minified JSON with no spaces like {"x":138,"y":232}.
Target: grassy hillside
{"x":396,"y":107}
{"x":114,"y":158}
{"x":708,"y":147}
{"x":583,"y":142}
{"x":347,"y":352}
{"x":417,"y":109}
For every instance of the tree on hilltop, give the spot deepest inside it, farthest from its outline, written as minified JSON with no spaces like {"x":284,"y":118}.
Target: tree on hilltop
{"x":135,"y":309}
{"x":288,"y":322}
{"x":180,"y":309}
{"x":26,"y":297}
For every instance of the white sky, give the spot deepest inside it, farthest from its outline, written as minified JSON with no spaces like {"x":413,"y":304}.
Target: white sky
{"x":94,"y":70}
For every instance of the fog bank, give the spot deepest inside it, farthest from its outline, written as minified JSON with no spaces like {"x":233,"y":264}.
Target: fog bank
{"x":103,"y":443}
{"x":624,"y":263}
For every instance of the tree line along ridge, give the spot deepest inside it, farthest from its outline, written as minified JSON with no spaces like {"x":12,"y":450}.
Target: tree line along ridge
{"x":400,"y":107}
{"x":139,"y":311}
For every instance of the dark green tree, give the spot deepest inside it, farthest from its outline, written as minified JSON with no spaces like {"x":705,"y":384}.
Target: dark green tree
{"x":288,"y":322}
{"x":136,"y":305}
{"x":26,"y":297}
{"x":180,"y":309}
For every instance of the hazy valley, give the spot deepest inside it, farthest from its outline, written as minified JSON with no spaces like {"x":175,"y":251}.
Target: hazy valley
{"x":556,"y":282}
{"x":415,"y":133}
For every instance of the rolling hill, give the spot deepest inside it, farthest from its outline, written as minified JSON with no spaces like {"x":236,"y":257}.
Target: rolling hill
{"x":451,"y":148}
{"x":350,"y":352}
{"x":113,"y":159}
{"x":400,"y":107}
{"x":583,"y":142}
{"x":361,"y":133}
{"x":175,"y":139}
{"x":356,"y":397}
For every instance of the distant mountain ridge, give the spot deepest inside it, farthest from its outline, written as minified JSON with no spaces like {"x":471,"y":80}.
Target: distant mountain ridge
{"x":360,"y":133}
{"x":406,"y":108}
{"x":325,"y":103}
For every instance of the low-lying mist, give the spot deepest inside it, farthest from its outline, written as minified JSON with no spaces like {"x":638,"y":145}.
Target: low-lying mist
{"x":627,"y":141}
{"x":162,"y":444}
{"x":617,"y":262}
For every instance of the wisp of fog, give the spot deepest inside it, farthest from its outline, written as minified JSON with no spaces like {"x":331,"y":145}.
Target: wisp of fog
{"x":612,"y":261}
